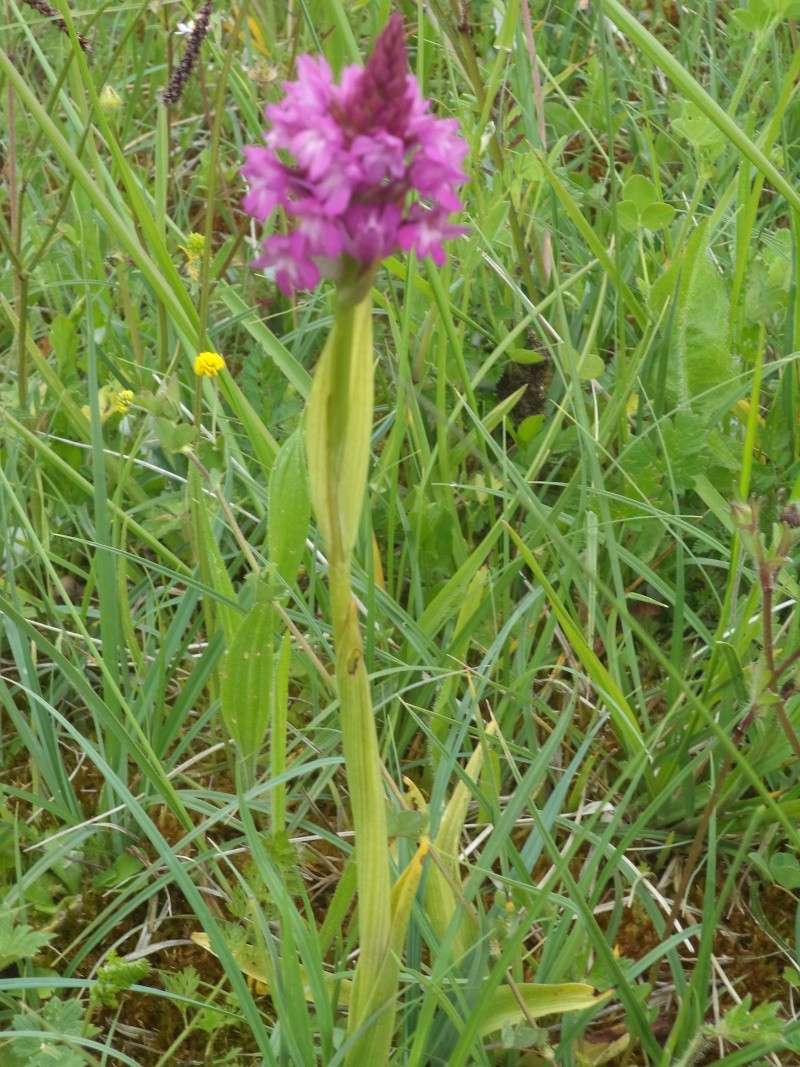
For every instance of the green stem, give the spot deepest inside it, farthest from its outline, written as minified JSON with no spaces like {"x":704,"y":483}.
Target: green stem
{"x":339,"y":422}
{"x":367,"y":803}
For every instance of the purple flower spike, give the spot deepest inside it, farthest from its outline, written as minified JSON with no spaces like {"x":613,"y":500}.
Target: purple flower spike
{"x":362,"y":167}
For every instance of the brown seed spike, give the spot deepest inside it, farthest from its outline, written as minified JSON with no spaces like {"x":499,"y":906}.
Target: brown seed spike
{"x":182,"y":72}
{"x":49,"y":12}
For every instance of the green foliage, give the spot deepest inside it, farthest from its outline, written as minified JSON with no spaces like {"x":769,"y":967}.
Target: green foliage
{"x":246,"y":675}
{"x":699,"y":131}
{"x":785,"y":869}
{"x":114,"y":976}
{"x":548,"y":557}
{"x":770,"y":279}
{"x":289,"y":508}
{"x":743,"y":1022}
{"x":65,"y":1018}
{"x":641,"y":205}
{"x":183,"y":983}
{"x":758,"y":15}
{"x":701,"y":361}
{"x":18,"y":941}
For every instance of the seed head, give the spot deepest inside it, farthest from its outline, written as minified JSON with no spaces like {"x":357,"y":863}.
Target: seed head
{"x":194,"y":40}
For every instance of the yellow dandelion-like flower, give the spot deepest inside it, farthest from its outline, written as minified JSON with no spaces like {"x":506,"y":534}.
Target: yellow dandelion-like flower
{"x":208,"y":364}
{"x":123,"y":400}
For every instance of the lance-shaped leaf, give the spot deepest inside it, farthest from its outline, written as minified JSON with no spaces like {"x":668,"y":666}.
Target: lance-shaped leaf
{"x":246,"y":676}
{"x":443,"y":899}
{"x":213,"y":571}
{"x":256,"y":964}
{"x":289,"y":508}
{"x":527,"y":1000}
{"x":378,"y":1011}
{"x":457,"y":648}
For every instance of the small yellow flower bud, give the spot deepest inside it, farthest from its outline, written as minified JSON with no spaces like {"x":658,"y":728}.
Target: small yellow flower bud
{"x":195,"y":243}
{"x":123,"y":400}
{"x":208,"y":364}
{"x":110,"y":100}
{"x":193,"y":250}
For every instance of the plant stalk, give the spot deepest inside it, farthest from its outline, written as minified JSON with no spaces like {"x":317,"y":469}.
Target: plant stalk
{"x":365,"y":786}
{"x":339,"y":423}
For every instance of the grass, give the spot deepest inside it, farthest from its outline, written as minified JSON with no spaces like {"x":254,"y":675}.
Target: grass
{"x":576,"y":567}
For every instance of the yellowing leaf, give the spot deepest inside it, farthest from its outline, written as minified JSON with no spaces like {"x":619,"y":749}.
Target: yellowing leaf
{"x":256,"y":966}
{"x":257,"y":36}
{"x":442,"y":900}
{"x":595,"y":1054}
{"x":538,"y":1000}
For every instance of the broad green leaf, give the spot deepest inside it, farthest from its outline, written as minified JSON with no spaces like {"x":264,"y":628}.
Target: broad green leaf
{"x":748,"y":19}
{"x":628,"y":214}
{"x":525,"y":355}
{"x":289,"y":507}
{"x":528,"y":428}
{"x":703,"y":136}
{"x":785,"y":869}
{"x":591,"y":366}
{"x":125,"y":866}
{"x":64,"y":341}
{"x":641,"y":205}
{"x":640,"y":191}
{"x":174,"y":437}
{"x":657,"y":216}
{"x":701,"y":359}
{"x":663,"y":287}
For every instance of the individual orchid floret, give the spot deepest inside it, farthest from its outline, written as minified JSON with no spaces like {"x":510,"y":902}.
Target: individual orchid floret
{"x":361,"y":167}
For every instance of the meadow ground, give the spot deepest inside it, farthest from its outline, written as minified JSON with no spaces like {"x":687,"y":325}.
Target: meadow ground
{"x":575,"y":570}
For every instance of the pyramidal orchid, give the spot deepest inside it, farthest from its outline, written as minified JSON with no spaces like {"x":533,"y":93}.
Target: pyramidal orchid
{"x":362,"y":168}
